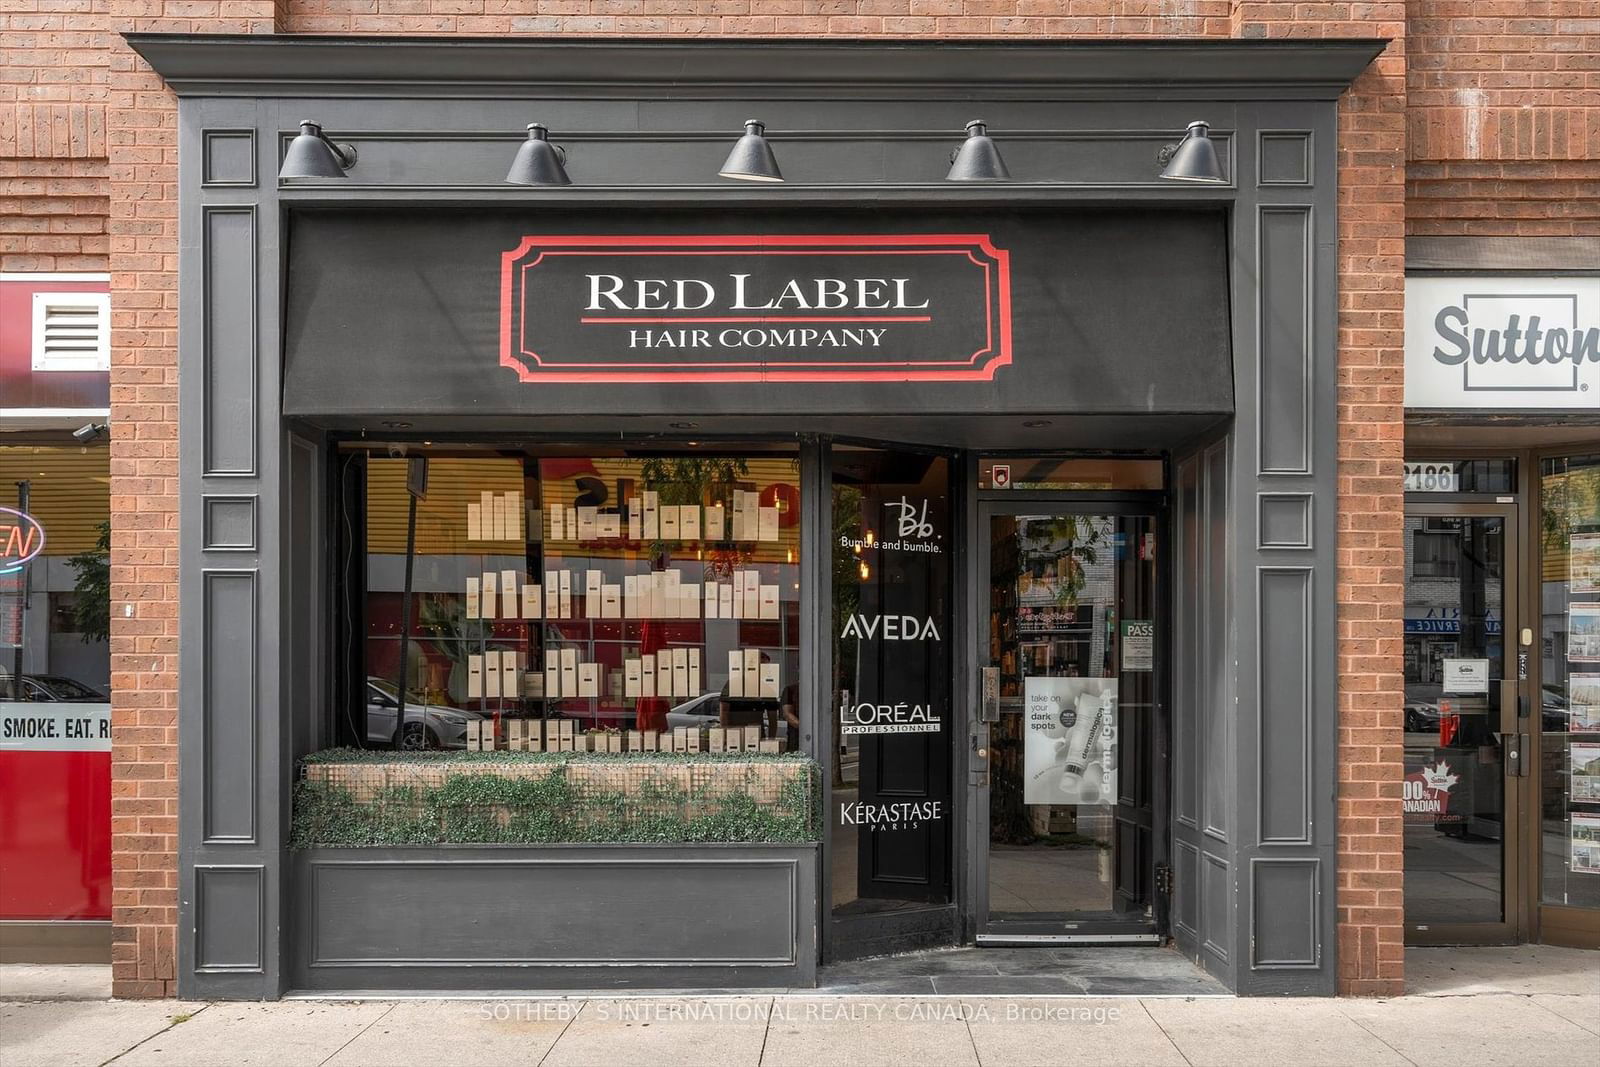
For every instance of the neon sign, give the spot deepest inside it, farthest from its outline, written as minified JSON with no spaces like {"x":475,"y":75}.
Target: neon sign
{"x":21,"y":539}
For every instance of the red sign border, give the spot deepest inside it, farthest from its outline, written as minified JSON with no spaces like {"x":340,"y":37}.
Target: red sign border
{"x":997,"y":301}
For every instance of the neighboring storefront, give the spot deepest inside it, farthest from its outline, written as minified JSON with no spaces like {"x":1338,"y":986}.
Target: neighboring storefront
{"x":974,"y":523}
{"x":55,"y":714}
{"x":1502,"y":616}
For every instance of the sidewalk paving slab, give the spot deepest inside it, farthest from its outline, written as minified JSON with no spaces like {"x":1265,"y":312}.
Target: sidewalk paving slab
{"x":1485,"y":1031}
{"x":283,"y":1034}
{"x":1047,"y":1033}
{"x":55,"y":981}
{"x":868,"y":1032}
{"x":708,"y":1032}
{"x":426,"y":1033}
{"x":76,"y":1033}
{"x":1581,"y":1011}
{"x":1304,"y":1031}
{"x":1471,"y":970}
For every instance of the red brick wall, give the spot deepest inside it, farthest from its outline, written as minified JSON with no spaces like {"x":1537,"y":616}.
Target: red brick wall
{"x":1558,"y":197}
{"x":53,"y":135}
{"x":856,"y":18}
{"x":142,"y":134}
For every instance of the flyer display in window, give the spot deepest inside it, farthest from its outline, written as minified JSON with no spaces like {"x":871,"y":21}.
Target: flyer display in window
{"x":1583,"y":563}
{"x":1584,"y":705}
{"x":1585,"y":768}
{"x":1584,"y":835}
{"x":1070,"y":748}
{"x":1583,"y":633}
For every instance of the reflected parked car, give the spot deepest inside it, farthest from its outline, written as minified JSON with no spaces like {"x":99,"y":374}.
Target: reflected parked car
{"x":703,"y":710}
{"x":51,"y":689}
{"x":427,"y":725}
{"x":1421,"y":716}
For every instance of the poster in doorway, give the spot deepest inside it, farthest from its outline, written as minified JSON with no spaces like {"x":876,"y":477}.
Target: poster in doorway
{"x":1070,"y":748}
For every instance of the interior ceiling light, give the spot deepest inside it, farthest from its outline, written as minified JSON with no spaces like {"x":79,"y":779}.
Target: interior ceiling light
{"x":538,"y":162}
{"x":1193,"y":159}
{"x":312,"y":155}
{"x":751,"y":159}
{"x":978,"y":159}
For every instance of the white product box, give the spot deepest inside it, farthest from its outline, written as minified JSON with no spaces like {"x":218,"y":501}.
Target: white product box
{"x":736,"y":673}
{"x":532,"y":602}
{"x":635,"y":524}
{"x":714,"y":522}
{"x":487,"y":599}
{"x":768,"y":530}
{"x":552,"y":674}
{"x":752,"y":672}
{"x":491,"y":674}
{"x":569,"y":672}
{"x":689,"y":522}
{"x":474,"y":609}
{"x":632,"y":678}
{"x":474,"y":522}
{"x":586,"y":523}
{"x":769,"y":681}
{"x":499,"y":505}
{"x":669,"y":523}
{"x":565,"y":578}
{"x":611,"y":601}
{"x":647,"y":676}
{"x":711,"y":600}
{"x":558,"y":524}
{"x":588,"y":679}
{"x":474,"y":676}
{"x":769,"y":601}
{"x":680,"y":673}
{"x":510,"y":665}
{"x":630,"y":596}
{"x":509,"y":584}
{"x":725,"y":600}
{"x":694,"y":672}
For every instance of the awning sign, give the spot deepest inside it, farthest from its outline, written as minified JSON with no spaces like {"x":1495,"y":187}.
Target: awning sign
{"x":44,"y":727}
{"x":729,"y":307}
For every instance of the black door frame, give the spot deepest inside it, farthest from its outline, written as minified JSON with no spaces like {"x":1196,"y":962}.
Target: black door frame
{"x":974,"y":733}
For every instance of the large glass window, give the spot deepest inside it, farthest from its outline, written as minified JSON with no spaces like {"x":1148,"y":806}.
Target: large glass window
{"x":55,"y":711}
{"x":1569,"y":714}
{"x":606,"y":600}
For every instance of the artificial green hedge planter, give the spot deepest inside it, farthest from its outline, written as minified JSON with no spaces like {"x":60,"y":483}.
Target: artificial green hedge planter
{"x":347,"y":797}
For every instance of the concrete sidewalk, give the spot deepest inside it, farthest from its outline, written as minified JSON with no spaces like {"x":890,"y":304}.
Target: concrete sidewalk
{"x":1539,"y":1007}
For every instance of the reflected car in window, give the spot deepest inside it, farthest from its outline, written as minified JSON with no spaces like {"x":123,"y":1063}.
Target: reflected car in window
{"x":426,"y":726}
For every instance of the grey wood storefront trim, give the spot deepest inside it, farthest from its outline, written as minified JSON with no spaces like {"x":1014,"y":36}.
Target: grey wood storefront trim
{"x":436,"y":122}
{"x":460,"y":917}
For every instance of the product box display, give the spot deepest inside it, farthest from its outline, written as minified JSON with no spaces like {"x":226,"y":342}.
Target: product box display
{"x":588,"y":679}
{"x":769,"y":681}
{"x":714,"y":522}
{"x":689,"y":522}
{"x":752,"y":672}
{"x":716,"y":739}
{"x":569,"y":672}
{"x":771,"y":746}
{"x":510,"y":581}
{"x":752,"y":737}
{"x":736,"y":673}
{"x":510,"y":667}
{"x":475,"y":522}
{"x":647,"y":676}
{"x":587,"y":517}
{"x":769,"y":601}
{"x":635,"y":525}
{"x":486,"y":594}
{"x":768,"y":524}
{"x":491,"y":674}
{"x":532,"y":602}
{"x":632,"y":678}
{"x":564,"y":578}
{"x":474,"y":609}
{"x":552,"y":674}
{"x":474,"y":676}
{"x":694,"y":672}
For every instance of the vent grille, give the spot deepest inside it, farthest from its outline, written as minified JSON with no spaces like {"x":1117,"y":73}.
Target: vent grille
{"x":71,"y":331}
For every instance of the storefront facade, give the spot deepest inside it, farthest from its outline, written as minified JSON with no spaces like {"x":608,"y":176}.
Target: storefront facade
{"x":1059,"y":450}
{"x":1502,"y":809}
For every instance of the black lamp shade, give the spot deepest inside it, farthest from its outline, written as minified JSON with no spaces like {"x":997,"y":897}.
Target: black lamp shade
{"x":312,"y":155}
{"x":978,"y":159}
{"x":751,"y":159}
{"x":538,"y":161}
{"x":1195,"y":159}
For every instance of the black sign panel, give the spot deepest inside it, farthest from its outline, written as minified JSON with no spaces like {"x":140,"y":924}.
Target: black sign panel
{"x":405,"y":314}
{"x":894,"y":706}
{"x":755,"y":307}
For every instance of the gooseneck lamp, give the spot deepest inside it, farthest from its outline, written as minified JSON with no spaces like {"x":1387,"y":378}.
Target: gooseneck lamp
{"x":751,"y":159}
{"x":312,"y":155}
{"x":538,"y":162}
{"x":1193,"y":159}
{"x":978,"y":159}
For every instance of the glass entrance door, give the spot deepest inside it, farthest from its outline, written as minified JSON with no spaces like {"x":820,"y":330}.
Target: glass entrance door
{"x":1063,"y":750}
{"x":1465,"y":745}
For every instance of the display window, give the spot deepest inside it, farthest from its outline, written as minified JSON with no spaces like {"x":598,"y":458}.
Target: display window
{"x":574,"y":601}
{"x":1569,"y":711}
{"x":55,"y":711}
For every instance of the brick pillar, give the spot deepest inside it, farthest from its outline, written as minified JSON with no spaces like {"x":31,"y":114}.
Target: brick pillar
{"x":142,"y":123}
{"x":1371,"y":577}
